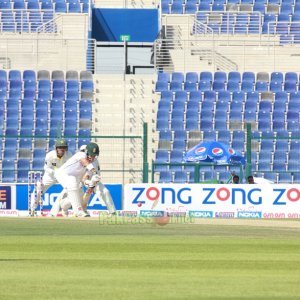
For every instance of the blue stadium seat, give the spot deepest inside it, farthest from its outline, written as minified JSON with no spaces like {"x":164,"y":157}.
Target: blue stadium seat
{"x":162,"y":124}
{"x":58,"y":95}
{"x":235,"y":115}
{"x":238,"y":96}
{"x":46,"y":5}
{"x":22,"y":176}
{"x":9,"y":154}
{"x":3,"y":89}
{"x":218,"y":86}
{"x":204,"y":85}
{"x":163,"y":77}
{"x":41,"y":124}
{"x":19,"y":5}
{"x":8,"y":176}
{"x":249,"y":77}
{"x":263,"y":166}
{"x":180,"y":177}
{"x":285,"y":178}
{"x":236,"y":106}
{"x":23,"y":164}
{"x":72,"y":95}
{"x":291,"y":77}
{"x":190,"y":86}
{"x":15,"y":75}
{"x":180,"y":135}
{"x":295,"y":97}
{"x":166,"y":96}
{"x":60,"y":7}
{"x":176,"y":7}
{"x":279,"y":166}
{"x":280,"y":156}
{"x":83,"y":132}
{"x":191,"y":8}
{"x":177,"y":124}
{"x":278,"y":125}
{"x":165,"y":177}
{"x":247,"y":86}
{"x":25,"y":143}
{"x":11,"y":123}
{"x":39,"y":154}
{"x":233,"y":86}
{"x":3,"y":75}
{"x":234,"y":76}
{"x":175,"y":86}
{"x":85,"y":7}
{"x":206,"y":76}
{"x":191,"y":77}
{"x":290,"y":86}
{"x":161,"y":156}
{"x":261,"y":86}
{"x":58,"y":85}
{"x":220,"y":76}
{"x":71,"y":104}
{"x":176,"y":157}
{"x":192,"y":124}
{"x":195,"y":95}
{"x":166,"y":135}
{"x":24,"y":132}
{"x":72,"y":85}
{"x":40,"y":132}
{"x":161,"y":86}
{"x":72,"y":132}
{"x":27,"y":124}
{"x":224,"y":136}
{"x":275,"y":86}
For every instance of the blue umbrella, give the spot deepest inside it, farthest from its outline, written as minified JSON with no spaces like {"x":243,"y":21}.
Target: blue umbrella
{"x":214,"y":152}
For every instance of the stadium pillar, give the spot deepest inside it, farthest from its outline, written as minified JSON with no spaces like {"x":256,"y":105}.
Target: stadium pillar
{"x":249,"y":150}
{"x":145,"y":153}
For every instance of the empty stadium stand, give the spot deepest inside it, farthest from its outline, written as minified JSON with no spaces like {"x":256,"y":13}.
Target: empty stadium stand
{"x":214,"y":112}
{"x":41,"y":116}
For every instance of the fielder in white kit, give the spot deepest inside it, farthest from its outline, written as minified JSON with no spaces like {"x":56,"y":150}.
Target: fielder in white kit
{"x":71,"y":173}
{"x":53,"y":161}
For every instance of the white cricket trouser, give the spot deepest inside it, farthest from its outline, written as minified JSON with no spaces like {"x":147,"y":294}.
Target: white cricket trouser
{"x":71,"y":185}
{"x":102,"y":193}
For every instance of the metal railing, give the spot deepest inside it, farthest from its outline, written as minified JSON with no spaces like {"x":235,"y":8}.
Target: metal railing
{"x":127,"y":3}
{"x":23,"y":20}
{"x":289,"y":32}
{"x":230,"y":22}
{"x":214,"y":54}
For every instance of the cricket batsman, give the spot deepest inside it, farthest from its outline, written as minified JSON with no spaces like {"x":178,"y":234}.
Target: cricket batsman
{"x":71,"y":173}
{"x":53,"y":161}
{"x":93,"y":186}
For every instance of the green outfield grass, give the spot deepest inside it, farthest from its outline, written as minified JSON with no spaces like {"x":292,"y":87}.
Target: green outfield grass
{"x":80,"y":259}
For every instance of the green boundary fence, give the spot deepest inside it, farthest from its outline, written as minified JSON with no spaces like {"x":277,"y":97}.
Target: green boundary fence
{"x":143,"y":168}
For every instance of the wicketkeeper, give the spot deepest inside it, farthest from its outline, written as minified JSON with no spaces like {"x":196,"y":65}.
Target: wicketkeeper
{"x":53,"y":161}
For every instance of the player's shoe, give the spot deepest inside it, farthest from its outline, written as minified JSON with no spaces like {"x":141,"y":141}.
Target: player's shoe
{"x":65,"y":213}
{"x":82,"y":214}
{"x":88,"y":214}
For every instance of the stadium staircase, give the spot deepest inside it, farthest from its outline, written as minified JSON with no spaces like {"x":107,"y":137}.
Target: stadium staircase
{"x":123,"y":114}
